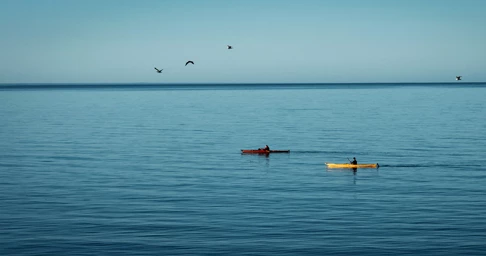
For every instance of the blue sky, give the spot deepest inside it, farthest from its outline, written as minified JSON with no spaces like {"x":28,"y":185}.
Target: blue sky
{"x":121,"y":41}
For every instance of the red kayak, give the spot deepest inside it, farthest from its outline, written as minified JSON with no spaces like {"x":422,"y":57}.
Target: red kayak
{"x":262,"y":151}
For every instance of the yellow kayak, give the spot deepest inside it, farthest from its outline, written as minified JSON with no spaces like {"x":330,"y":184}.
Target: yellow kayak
{"x":332,"y":165}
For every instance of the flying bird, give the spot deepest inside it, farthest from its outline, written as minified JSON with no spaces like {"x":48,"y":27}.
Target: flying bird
{"x":158,"y":70}
{"x":190,"y":61}
{"x":230,"y":47}
{"x":458,"y":78}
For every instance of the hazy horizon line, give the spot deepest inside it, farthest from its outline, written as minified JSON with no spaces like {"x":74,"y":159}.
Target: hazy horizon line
{"x":229,"y":83}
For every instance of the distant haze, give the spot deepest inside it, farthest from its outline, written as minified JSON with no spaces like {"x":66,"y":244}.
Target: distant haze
{"x":117,"y":41}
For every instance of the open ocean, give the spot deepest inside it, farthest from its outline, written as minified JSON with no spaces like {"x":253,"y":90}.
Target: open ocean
{"x":139,"y":169}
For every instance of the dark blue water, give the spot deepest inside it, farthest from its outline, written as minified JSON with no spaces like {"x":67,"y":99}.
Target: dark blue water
{"x":157,"y":170}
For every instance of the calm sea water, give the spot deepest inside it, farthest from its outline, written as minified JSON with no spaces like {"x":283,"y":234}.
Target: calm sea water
{"x":157,"y":170}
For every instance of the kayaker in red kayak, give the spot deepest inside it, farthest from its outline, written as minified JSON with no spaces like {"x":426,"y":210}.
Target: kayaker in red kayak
{"x":266,"y":148}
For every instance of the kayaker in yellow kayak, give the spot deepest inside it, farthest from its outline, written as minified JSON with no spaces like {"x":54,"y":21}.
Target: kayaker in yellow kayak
{"x":354,"y":161}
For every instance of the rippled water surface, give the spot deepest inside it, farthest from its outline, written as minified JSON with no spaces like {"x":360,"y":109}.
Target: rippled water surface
{"x":157,"y":170}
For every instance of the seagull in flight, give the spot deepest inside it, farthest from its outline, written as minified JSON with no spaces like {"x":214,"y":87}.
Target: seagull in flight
{"x":458,"y":78}
{"x":230,"y":47}
{"x":158,"y":70}
{"x":189,"y":61}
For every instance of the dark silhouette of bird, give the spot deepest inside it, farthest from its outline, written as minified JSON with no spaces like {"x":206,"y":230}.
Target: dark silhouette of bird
{"x":458,"y":78}
{"x":189,"y":61}
{"x":158,"y":70}
{"x":230,"y":47}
